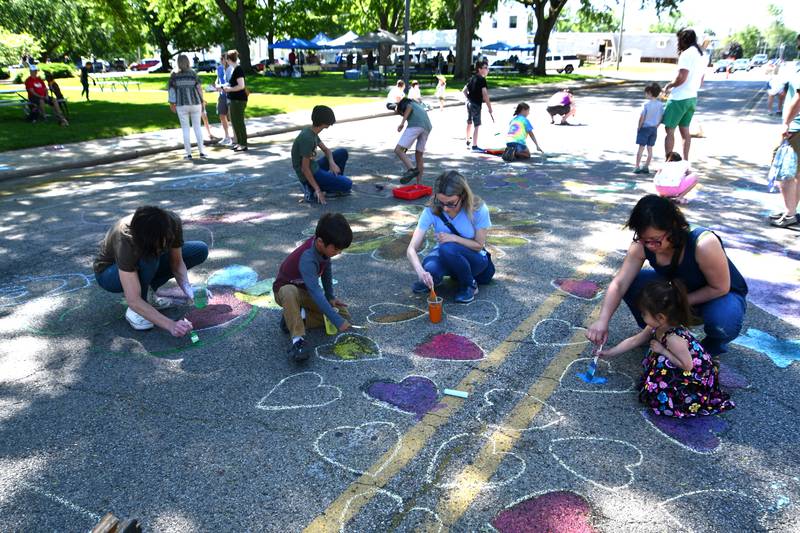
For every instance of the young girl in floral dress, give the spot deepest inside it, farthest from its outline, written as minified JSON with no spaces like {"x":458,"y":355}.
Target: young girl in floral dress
{"x":680,"y":379}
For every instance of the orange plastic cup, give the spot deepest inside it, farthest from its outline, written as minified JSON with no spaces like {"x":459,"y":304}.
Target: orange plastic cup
{"x":435,"y":309}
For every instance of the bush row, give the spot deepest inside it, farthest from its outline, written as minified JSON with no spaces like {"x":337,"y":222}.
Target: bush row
{"x":59,"y":70}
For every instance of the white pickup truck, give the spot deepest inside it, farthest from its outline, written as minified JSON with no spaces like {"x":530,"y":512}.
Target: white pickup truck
{"x":559,"y":63}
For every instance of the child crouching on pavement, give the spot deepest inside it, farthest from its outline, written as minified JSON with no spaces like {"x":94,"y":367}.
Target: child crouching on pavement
{"x":296,"y":287}
{"x":417,"y":130}
{"x":675,"y":179}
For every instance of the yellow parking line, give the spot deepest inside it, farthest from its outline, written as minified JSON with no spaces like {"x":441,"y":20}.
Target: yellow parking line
{"x":346,"y":506}
{"x":471,"y":480}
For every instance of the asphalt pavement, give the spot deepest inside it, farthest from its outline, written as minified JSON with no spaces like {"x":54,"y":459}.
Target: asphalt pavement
{"x":231,"y":435}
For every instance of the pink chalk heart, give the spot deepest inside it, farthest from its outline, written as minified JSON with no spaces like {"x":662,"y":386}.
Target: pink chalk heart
{"x":580,"y":288}
{"x":415,"y":394}
{"x":552,"y":512}
{"x":449,"y":347}
{"x":223,"y":307}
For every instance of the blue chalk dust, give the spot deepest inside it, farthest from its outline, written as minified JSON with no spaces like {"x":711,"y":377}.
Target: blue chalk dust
{"x":587,"y":378}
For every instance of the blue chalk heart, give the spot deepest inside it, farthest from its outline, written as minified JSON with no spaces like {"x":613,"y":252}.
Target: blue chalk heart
{"x":237,"y":276}
{"x":586,"y":378}
{"x":782,"y":352}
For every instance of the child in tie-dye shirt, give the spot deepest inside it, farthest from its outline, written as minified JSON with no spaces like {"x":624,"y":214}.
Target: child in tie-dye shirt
{"x":518,"y":132}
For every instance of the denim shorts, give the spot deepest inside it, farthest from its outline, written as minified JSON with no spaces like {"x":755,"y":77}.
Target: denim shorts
{"x":646,"y":136}
{"x":473,"y":113}
{"x":518,"y":147}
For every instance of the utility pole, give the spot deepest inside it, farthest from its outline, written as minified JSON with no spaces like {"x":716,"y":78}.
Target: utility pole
{"x":406,"y":57}
{"x":621,"y":29}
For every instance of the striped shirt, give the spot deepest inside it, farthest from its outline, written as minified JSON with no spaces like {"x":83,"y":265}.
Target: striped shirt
{"x":184,"y":88}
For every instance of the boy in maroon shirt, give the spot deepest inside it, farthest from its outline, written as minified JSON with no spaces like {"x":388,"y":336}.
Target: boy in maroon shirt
{"x":296,"y":287}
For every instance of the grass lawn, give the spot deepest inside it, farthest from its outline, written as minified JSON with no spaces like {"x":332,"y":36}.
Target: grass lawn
{"x":117,"y":113}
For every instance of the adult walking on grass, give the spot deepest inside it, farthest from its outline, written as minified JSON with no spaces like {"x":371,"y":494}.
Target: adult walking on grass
{"x":85,"y":70}
{"x":237,"y":101}
{"x":186,"y":99}
{"x":682,"y":91}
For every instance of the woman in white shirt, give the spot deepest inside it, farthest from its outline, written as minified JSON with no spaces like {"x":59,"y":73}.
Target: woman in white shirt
{"x":682,"y":100}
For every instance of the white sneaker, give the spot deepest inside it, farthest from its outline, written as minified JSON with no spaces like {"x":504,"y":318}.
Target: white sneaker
{"x":137,"y":321}
{"x":226,"y":141}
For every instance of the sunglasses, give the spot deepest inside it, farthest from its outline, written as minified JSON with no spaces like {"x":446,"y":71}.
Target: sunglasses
{"x":655,"y":243}
{"x":449,"y":205}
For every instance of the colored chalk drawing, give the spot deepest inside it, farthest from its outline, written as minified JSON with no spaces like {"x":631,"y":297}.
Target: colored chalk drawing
{"x":558,"y":511}
{"x":355,"y":448}
{"x":616,"y":382}
{"x":697,"y":434}
{"x":454,"y":454}
{"x":415,"y":395}
{"x":616,"y":469}
{"x":393,"y":313}
{"x":744,"y":512}
{"x":731,"y":379}
{"x":236,"y":276}
{"x":308,"y":387}
{"x":205,"y":182}
{"x":499,"y":402}
{"x":58,"y":499}
{"x":782,"y":352}
{"x":414,"y":519}
{"x":449,"y":347}
{"x":259,"y":294}
{"x":24,"y":289}
{"x":222,"y":309}
{"x":226,"y":218}
{"x":556,"y":332}
{"x":480,"y":312}
{"x":582,"y":289}
{"x":349,"y":348}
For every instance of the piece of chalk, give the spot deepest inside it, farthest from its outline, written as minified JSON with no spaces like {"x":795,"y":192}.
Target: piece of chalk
{"x":194,"y":337}
{"x":456,"y":393}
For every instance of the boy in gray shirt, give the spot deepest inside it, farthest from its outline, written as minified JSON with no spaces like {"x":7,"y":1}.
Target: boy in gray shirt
{"x":649,"y":119}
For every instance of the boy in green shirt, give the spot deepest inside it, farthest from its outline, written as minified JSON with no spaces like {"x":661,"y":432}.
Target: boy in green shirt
{"x":325,"y":175}
{"x":418,"y":129}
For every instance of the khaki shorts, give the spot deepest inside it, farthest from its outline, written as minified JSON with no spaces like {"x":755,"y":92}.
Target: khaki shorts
{"x":412,"y":134}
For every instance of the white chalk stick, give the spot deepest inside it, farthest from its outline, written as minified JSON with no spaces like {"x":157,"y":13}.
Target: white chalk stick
{"x":456,"y":393}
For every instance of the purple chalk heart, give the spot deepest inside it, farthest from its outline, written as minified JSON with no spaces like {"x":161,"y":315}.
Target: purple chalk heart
{"x":450,"y":347}
{"x":415,"y":394}
{"x":580,"y":288}
{"x":552,"y":512}
{"x":697,"y":433}
{"x":731,"y":379}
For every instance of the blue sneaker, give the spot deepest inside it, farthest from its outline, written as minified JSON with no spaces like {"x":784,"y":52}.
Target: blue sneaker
{"x":419,"y":288}
{"x":466,"y":295}
{"x":476,"y":149}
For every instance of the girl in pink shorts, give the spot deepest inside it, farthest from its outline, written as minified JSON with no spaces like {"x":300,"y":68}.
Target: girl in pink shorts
{"x":675,"y":179}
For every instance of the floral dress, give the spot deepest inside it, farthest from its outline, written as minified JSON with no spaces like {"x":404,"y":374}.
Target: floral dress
{"x":671,"y":391}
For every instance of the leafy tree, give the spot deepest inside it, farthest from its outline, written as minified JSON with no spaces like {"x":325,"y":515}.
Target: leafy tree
{"x":670,"y":22}
{"x":57,"y":26}
{"x":467,"y":15}
{"x":14,"y":45}
{"x":588,"y":19}
{"x":777,"y":33}
{"x":748,"y":39}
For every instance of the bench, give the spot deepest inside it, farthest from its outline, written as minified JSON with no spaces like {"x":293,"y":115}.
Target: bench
{"x":114,"y":80}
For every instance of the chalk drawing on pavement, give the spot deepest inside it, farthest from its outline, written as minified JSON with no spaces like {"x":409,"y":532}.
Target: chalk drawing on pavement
{"x":582,"y":289}
{"x":783,"y":352}
{"x":24,"y":289}
{"x":616,"y":382}
{"x":555,"y":332}
{"x":614,"y":472}
{"x":415,"y":519}
{"x":499,"y":402}
{"x":415,"y":395}
{"x":454,"y":454}
{"x":205,"y":182}
{"x":698,"y":434}
{"x":309,"y":386}
{"x":449,"y":347}
{"x":554,"y":511}
{"x":356,"y":448}
{"x":726,"y":499}
{"x":350,"y":348}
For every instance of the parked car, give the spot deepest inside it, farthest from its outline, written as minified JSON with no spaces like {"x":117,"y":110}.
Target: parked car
{"x":98,"y":65}
{"x":562,"y":63}
{"x":119,"y":65}
{"x":145,"y":64}
{"x":758,"y":60}
{"x":741,"y":64}
{"x":722,"y":65}
{"x":206,"y":65}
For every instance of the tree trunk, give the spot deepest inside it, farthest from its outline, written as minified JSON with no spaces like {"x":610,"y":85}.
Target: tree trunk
{"x":271,"y":32}
{"x":240,"y":36}
{"x":545,"y":22}
{"x":465,"y":31}
{"x":163,"y":47}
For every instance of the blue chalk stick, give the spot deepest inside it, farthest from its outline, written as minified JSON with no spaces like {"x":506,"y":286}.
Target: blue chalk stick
{"x":456,"y":393}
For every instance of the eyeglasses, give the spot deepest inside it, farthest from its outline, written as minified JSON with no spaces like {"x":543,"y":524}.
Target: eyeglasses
{"x":655,"y":243}
{"x":449,"y":205}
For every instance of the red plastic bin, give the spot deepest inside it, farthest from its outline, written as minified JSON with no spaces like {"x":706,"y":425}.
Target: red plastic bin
{"x":412,"y":192}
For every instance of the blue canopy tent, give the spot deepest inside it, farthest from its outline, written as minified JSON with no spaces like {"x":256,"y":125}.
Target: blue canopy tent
{"x":295,"y":43}
{"x":320,"y":39}
{"x":524,"y":47}
{"x":498,"y":47}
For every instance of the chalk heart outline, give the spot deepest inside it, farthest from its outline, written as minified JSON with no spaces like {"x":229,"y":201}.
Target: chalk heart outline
{"x":397,"y":502}
{"x":345,"y":429}
{"x":629,"y":467}
{"x":323,"y":349}
{"x":489,"y":485}
{"x":533,"y":496}
{"x":555,"y":285}
{"x":466,"y":307}
{"x":546,"y":323}
{"x":708,"y":432}
{"x":265,"y":406}
{"x":728,"y":492}
{"x":387,"y":405}
{"x":392,"y":308}
{"x":572,"y":381}
{"x":489,"y":404}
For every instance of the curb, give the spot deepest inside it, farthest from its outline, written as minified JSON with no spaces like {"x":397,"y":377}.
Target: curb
{"x":135,"y":154}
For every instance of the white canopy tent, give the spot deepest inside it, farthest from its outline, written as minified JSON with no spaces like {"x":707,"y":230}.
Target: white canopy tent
{"x":434,"y":39}
{"x":341,"y":41}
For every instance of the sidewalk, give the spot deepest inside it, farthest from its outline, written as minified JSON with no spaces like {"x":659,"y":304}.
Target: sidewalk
{"x":47,"y":159}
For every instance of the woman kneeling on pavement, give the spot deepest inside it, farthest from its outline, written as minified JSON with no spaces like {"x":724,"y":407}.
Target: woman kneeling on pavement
{"x":694,"y":256}
{"x":460,"y":222}
{"x":140,"y":253}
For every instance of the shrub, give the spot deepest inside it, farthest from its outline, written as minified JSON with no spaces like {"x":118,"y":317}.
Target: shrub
{"x":59,"y":70}
{"x":4,"y":75}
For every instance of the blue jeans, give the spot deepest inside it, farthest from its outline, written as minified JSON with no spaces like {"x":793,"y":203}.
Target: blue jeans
{"x":459,"y":262}
{"x":722,"y":317}
{"x":155,"y":271}
{"x":327,"y":180}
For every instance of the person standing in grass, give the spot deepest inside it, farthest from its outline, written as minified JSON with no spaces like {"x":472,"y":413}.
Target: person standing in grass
{"x":237,"y":100}
{"x":85,"y":69}
{"x":186,"y":99}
